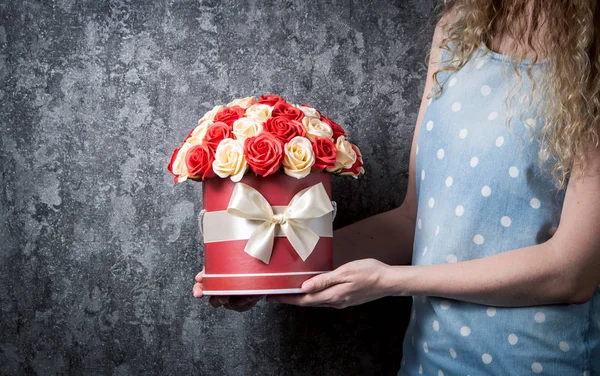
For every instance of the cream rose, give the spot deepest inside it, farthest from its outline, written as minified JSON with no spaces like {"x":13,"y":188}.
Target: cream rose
{"x":199,"y":132}
{"x":246,"y":127}
{"x":317,"y":128}
{"x":299,"y":157}
{"x":242,"y":102}
{"x":309,"y":111}
{"x":230,"y":160}
{"x":179,"y":167}
{"x":345,"y":156}
{"x":260,"y":112}
{"x":210,"y":115}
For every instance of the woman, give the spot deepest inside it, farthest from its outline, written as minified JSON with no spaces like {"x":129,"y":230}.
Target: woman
{"x":501,"y":219}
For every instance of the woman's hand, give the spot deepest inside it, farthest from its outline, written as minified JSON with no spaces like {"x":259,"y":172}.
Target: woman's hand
{"x":351,"y":284}
{"x":236,"y":303}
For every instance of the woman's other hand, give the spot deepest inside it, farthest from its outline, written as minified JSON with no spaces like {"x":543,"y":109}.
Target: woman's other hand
{"x":351,"y":284}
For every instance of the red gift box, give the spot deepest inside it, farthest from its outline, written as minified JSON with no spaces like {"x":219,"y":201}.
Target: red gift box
{"x":229,"y":270}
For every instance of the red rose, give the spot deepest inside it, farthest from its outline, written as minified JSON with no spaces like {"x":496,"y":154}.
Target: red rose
{"x":215,"y":133}
{"x":325,"y":153}
{"x":229,"y":115}
{"x":357,"y":167}
{"x":337,"y":129}
{"x":288,"y":111}
{"x":270,"y":99}
{"x":284,"y":128}
{"x":264,"y":153}
{"x":199,"y":161}
{"x":173,"y":157}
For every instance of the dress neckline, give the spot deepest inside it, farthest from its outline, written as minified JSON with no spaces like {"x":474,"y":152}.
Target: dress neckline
{"x":497,"y":56}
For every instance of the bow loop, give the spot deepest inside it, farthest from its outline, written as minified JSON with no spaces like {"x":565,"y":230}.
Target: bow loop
{"x":248,"y":203}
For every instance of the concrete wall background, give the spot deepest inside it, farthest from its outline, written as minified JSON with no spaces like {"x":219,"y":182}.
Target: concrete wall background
{"x":98,"y":248}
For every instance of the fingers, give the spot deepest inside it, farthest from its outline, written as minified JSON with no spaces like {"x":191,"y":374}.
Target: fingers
{"x":198,"y":293}
{"x":331,"y":297}
{"x":320,"y":282}
{"x":200,"y":276}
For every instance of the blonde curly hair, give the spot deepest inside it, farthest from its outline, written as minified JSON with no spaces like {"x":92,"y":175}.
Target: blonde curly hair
{"x":565,"y":34}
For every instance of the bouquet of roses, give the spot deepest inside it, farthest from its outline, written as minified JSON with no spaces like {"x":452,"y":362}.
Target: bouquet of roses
{"x":265,"y":135}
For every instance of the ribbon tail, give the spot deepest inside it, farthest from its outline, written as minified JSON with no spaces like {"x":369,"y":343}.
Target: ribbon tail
{"x":302,"y":238}
{"x":260,"y":244}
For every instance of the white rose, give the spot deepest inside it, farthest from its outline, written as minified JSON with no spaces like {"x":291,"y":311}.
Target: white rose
{"x":299,"y":157}
{"x":317,"y":128}
{"x":230,"y":160}
{"x":210,"y":115}
{"x":199,"y":132}
{"x":245,"y":127}
{"x":309,"y":111}
{"x":345,"y":156}
{"x":260,"y":112}
{"x":242,"y":102}
{"x":179,"y":166}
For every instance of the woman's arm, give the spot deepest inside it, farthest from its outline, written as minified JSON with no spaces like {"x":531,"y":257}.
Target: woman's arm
{"x":565,"y":269}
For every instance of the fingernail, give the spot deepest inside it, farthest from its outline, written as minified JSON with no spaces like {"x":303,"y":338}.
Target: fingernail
{"x":223,"y":300}
{"x":308,"y":286}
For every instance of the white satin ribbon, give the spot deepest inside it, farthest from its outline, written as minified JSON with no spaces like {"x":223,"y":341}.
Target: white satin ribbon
{"x":306,"y":206}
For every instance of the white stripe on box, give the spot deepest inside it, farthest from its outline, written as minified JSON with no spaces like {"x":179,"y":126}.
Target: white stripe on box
{"x":259,"y":274}
{"x":252,"y":292}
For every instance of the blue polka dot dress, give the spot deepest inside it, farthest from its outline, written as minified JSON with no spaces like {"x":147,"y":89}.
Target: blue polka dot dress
{"x":481,"y":192}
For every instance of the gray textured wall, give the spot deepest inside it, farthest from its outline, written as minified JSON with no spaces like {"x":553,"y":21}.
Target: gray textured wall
{"x":98,"y":248}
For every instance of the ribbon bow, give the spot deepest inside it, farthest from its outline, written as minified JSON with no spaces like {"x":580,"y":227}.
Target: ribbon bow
{"x":312,"y":202}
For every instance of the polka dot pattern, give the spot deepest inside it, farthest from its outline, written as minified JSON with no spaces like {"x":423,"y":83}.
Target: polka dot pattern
{"x":505,"y":221}
{"x":453,"y":353}
{"x":481,"y":192}
{"x":486,"y":191}
{"x":465,"y":331}
{"x":539,"y":317}
{"x":486,"y":358}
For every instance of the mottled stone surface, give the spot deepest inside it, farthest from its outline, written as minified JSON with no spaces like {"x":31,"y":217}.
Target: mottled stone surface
{"x":98,"y":248}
